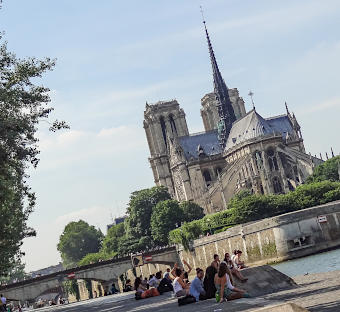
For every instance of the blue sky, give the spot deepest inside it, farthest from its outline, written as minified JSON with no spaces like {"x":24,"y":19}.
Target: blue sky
{"x":112,"y":56}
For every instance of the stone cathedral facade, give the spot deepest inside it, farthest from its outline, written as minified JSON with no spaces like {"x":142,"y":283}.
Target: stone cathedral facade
{"x":238,"y":150}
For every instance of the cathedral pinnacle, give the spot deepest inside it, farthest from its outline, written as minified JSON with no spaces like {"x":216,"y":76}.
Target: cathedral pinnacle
{"x":251,"y":97}
{"x":225,"y":109}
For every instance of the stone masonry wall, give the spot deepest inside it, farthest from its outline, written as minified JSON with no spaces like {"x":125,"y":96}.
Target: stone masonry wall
{"x":282,"y":237}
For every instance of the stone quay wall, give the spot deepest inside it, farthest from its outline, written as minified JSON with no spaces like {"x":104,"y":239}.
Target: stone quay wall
{"x":283,"y":237}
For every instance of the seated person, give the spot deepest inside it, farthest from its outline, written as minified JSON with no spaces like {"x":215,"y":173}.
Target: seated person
{"x":237,"y":259}
{"x":128,"y":286}
{"x":143,"y":291}
{"x":165,"y":285}
{"x":208,"y":283}
{"x":167,"y":274}
{"x":180,"y":287}
{"x":176,"y":266}
{"x":196,"y":287}
{"x":216,"y":262}
{"x":232,"y":267}
{"x":224,"y":286}
{"x":155,"y":280}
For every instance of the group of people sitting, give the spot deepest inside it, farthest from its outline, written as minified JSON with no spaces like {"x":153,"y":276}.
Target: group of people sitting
{"x":217,"y":281}
{"x":155,"y":286}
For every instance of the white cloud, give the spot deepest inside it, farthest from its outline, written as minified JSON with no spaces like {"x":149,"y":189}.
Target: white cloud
{"x":332,"y":103}
{"x":95,"y":215}
{"x":79,"y":146}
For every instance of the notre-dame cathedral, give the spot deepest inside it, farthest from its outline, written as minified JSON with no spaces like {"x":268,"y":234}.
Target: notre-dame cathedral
{"x":238,"y":150}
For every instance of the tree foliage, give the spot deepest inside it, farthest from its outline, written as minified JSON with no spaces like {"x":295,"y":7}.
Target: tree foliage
{"x":191,"y":211}
{"x":165,"y":216}
{"x":151,"y":215}
{"x":23,"y":105}
{"x":16,"y":274}
{"x":329,"y":170}
{"x":113,"y":238}
{"x":77,"y":240}
{"x":140,"y":210}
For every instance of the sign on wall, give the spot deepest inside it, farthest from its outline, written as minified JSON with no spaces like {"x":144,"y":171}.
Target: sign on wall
{"x":322,"y":219}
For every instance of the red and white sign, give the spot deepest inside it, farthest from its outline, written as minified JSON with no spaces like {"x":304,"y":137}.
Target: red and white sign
{"x":322,"y":219}
{"x":147,"y":258}
{"x":71,"y":275}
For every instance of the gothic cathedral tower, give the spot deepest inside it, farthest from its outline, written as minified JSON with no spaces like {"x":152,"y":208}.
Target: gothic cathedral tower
{"x":162,"y":121}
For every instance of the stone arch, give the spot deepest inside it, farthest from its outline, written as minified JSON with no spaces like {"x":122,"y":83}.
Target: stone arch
{"x":218,"y":170}
{"x":172,"y":124}
{"x":272,"y":160}
{"x":163,"y":127}
{"x":277,"y":185}
{"x":207,"y":177}
{"x":258,"y":160}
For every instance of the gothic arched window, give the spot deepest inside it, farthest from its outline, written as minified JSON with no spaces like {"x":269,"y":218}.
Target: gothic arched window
{"x":218,"y":170}
{"x":172,"y":124}
{"x":207,"y":177}
{"x":258,"y":160}
{"x":277,"y":185}
{"x":272,"y":161}
{"x":163,"y":126}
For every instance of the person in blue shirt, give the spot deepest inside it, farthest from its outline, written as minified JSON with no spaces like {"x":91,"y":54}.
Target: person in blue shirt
{"x":196,"y":287}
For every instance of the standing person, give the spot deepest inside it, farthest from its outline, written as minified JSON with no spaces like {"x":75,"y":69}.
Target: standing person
{"x":3,"y":301}
{"x":224,"y":286}
{"x":180,"y":287}
{"x":196,"y":288}
{"x":233,"y":269}
{"x":216,"y":262}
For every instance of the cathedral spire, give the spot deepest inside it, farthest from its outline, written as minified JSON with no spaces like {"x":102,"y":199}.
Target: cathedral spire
{"x":225,"y":109}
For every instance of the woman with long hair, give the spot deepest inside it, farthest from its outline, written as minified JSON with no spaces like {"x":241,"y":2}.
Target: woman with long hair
{"x":181,"y":288}
{"x":224,"y":286}
{"x":208,"y":283}
{"x":233,"y":269}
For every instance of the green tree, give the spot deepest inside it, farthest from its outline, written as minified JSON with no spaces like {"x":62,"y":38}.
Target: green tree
{"x":77,"y":240}
{"x":164,"y":218}
{"x":191,"y":211}
{"x":16,"y":274}
{"x":23,"y":105}
{"x":329,"y":170}
{"x":113,"y":237}
{"x":140,"y":210}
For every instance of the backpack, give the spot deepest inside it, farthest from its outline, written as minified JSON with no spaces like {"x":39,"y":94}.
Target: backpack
{"x":186,"y":300}
{"x":138,"y":295}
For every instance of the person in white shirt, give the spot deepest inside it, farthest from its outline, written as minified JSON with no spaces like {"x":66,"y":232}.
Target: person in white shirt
{"x":155,"y":280}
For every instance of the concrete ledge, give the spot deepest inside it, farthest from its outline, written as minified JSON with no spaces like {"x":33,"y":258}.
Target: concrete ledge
{"x":264,"y":280}
{"x":285,"y":307}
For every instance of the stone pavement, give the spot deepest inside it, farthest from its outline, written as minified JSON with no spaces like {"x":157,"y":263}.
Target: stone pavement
{"x":316,"y":292}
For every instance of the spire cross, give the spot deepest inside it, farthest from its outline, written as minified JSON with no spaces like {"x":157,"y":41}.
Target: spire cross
{"x":202,"y":14}
{"x":251,"y":96}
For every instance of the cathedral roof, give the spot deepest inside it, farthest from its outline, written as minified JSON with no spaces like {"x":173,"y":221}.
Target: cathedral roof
{"x":206,"y":141}
{"x":253,"y":125}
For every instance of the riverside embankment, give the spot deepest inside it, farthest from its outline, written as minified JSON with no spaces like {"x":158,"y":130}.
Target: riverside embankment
{"x":283,"y":237}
